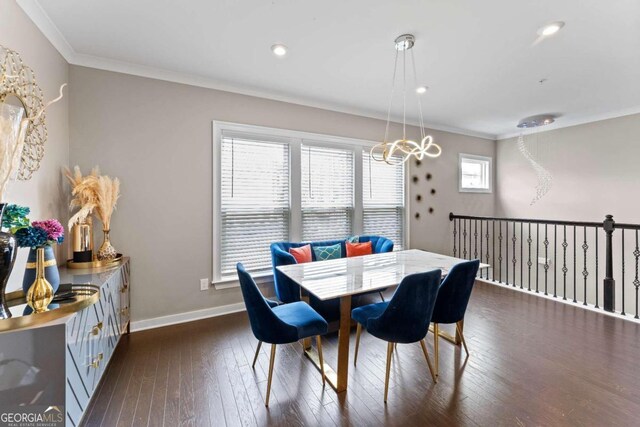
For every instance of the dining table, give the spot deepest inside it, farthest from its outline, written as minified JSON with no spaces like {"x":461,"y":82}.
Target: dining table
{"x":343,"y":278}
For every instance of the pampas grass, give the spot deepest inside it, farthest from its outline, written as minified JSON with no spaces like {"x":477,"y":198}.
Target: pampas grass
{"x":93,"y":193}
{"x":108,"y":192}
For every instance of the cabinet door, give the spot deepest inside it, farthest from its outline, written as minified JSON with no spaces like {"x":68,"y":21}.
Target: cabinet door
{"x":84,"y":355}
{"x":125,"y":315}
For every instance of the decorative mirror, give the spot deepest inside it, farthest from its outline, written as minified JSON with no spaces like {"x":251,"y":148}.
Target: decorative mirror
{"x":18,"y":88}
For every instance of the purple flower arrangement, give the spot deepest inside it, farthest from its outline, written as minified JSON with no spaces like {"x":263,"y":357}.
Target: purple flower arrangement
{"x":40,"y":233}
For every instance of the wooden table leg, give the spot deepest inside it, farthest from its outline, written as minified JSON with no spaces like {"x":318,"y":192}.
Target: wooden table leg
{"x":343,"y":343}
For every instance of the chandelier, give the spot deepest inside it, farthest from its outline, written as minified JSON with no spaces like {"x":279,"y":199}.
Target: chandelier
{"x":400,"y":150}
{"x":533,"y":156}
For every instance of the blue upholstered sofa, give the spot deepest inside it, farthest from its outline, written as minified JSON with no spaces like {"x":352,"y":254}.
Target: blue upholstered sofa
{"x":288,"y":291}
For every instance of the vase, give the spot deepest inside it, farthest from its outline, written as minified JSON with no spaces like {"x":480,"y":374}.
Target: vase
{"x":8,"y":254}
{"x":81,"y":241}
{"x":40,"y":293}
{"x":106,"y":251}
{"x":50,"y":269}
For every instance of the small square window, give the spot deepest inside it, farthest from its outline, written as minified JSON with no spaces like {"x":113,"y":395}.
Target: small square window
{"x":474,"y":174}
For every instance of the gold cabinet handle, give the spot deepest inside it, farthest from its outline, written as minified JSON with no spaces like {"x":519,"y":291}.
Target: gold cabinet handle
{"x":124,"y":311}
{"x":124,"y":288}
{"x":96,"y":329}
{"x":95,"y":363}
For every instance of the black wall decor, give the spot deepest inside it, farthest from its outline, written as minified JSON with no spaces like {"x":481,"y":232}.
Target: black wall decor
{"x":415,"y":179}
{"x":418,"y":162}
{"x":433,"y":191}
{"x":429,"y":176}
{"x":417,"y":215}
{"x":430,"y":210}
{"x":419,"y":197}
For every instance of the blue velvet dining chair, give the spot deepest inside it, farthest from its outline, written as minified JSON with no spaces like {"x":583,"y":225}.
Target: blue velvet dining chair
{"x":279,"y":324}
{"x":452,"y":301}
{"x":404,"y":319}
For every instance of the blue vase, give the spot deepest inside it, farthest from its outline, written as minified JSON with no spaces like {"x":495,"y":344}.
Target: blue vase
{"x":50,"y":271}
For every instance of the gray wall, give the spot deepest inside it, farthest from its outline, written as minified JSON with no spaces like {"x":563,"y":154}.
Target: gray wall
{"x":594,"y":167}
{"x":44,"y":193}
{"x":156,"y":137}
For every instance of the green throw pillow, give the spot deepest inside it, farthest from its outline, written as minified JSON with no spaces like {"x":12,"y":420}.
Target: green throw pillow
{"x":324,"y":253}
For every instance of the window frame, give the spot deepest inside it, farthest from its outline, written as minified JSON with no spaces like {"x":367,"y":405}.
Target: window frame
{"x":488,"y":160}
{"x":295,"y":139}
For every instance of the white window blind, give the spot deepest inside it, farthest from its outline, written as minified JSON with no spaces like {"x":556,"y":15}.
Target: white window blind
{"x":327,"y":192}
{"x":383,"y":200}
{"x":254,"y":201}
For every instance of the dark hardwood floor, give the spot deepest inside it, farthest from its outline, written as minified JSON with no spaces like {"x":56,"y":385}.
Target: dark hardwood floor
{"x":533,"y":362}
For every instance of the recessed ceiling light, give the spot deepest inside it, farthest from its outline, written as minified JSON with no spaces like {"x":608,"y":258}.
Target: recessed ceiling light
{"x":421,"y":89}
{"x":550,"y":29}
{"x":279,"y":49}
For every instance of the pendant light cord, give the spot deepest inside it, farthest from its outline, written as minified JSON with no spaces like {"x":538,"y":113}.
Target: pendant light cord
{"x":404,"y":94}
{"x":423,"y":133}
{"x":232,"y":166}
{"x":393,"y":87}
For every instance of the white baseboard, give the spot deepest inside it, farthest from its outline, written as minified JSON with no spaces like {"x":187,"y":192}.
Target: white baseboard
{"x":190,"y":316}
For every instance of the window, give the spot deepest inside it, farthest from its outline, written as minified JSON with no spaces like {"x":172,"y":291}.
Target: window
{"x":327,"y":192}
{"x":254,"y":206}
{"x":278,"y":185}
{"x":475,"y":173}
{"x":383,"y":200}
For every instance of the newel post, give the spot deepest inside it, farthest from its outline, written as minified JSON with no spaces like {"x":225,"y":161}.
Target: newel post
{"x":609,"y":284}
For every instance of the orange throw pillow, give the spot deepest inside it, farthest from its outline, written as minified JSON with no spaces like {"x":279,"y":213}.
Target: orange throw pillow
{"x":357,"y":249}
{"x":301,"y":254}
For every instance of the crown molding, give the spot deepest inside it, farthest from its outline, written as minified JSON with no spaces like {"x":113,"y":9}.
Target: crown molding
{"x":36,"y":13}
{"x":574,"y":122}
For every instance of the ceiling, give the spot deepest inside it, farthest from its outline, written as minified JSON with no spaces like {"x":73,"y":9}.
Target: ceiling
{"x":478,"y":58}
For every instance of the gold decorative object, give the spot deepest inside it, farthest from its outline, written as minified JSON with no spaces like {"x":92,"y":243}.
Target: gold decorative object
{"x":85,"y":296}
{"x":18,"y":81}
{"x":93,"y":193}
{"x":40,"y":293}
{"x":95,"y":263}
{"x":400,"y":150}
{"x":106,"y":251}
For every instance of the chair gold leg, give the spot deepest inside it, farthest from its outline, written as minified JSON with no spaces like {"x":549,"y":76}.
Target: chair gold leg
{"x":358,"y":332}
{"x":436,"y":334}
{"x":255,"y":358}
{"x":381,"y":296}
{"x":271,"y":360}
{"x":426,"y":356}
{"x":464,"y":343}
{"x":319,"y":344}
{"x":386,"y":378}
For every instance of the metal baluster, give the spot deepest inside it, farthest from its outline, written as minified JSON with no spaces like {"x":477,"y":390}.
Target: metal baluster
{"x":636,"y":282}
{"x":622,"y":312}
{"x":487,"y":235}
{"x":585,"y":273}
{"x":564,"y":264}
{"x":481,"y":244}
{"x":596,"y":277}
{"x":521,"y":256}
{"x":506,"y":254}
{"x":555,"y":254}
{"x":575,"y":262}
{"x":537,"y":253}
{"x":529,"y":263}
{"x":475,"y":239}
{"x":493,"y":257}
{"x":464,"y":239}
{"x":455,"y":232}
{"x":500,"y":251}
{"x":514,"y":260}
{"x":459,"y":238}
{"x":546,"y":258}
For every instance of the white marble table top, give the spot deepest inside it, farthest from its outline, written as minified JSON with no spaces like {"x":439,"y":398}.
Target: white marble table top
{"x":351,"y":276}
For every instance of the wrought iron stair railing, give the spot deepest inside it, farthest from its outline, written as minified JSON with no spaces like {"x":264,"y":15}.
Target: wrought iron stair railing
{"x":561,"y":259}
